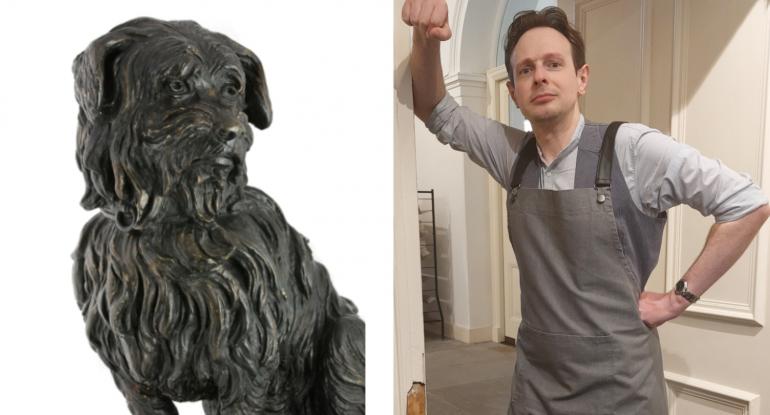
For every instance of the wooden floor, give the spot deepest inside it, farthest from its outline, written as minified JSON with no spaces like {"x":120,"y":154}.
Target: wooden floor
{"x":467,"y":379}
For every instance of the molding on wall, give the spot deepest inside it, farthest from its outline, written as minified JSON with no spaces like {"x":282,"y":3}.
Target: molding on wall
{"x":496,"y":260}
{"x":646,"y":52}
{"x":714,"y":394}
{"x":678,"y":67}
{"x":751,"y":312}
{"x":762,"y":265}
{"x":498,"y":34}
{"x":466,"y":85}
{"x":740,"y":313}
{"x":679,"y":71}
{"x":497,"y":239}
{"x":475,"y":28}
{"x":764,"y":86}
{"x":455,"y":42}
{"x":469,"y":89}
{"x":498,"y":109}
{"x":498,"y":334}
{"x":583,"y":7}
{"x":493,"y":78}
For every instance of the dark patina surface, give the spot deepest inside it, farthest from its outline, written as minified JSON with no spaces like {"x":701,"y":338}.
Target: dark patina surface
{"x":192,"y":285}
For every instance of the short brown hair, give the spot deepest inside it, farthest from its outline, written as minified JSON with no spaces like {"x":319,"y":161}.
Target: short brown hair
{"x":552,"y":17}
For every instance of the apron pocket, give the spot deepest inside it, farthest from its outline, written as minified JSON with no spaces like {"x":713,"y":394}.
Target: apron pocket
{"x":566,"y":374}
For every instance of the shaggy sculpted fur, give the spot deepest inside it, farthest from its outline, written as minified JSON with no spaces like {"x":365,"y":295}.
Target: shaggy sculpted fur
{"x":192,"y":285}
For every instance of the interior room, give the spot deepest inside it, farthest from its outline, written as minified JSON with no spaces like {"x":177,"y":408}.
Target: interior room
{"x":678,"y":64}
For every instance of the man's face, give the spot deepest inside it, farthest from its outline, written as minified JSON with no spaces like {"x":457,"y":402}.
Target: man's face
{"x":546,"y":86}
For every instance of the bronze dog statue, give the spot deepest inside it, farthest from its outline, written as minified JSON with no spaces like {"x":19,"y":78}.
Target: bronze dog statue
{"x":192,"y":285}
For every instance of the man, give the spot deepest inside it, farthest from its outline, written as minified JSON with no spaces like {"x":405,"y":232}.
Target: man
{"x":586,"y":209}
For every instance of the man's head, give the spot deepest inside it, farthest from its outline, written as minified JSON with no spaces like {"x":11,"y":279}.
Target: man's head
{"x":545,"y":59}
{"x":552,"y":17}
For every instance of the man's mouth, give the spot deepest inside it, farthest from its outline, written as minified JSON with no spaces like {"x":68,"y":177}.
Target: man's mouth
{"x":543,"y":98}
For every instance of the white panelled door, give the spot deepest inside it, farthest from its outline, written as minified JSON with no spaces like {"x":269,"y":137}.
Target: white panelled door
{"x":698,"y":70}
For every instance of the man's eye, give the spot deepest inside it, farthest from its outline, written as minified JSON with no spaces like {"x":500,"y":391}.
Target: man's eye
{"x":524,"y":71}
{"x":554,"y":65}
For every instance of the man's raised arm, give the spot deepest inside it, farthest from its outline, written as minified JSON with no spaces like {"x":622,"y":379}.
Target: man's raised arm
{"x":430,"y":21}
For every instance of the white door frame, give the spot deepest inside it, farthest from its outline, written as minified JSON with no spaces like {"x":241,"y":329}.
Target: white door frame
{"x":497,"y":109}
{"x":409,"y":345}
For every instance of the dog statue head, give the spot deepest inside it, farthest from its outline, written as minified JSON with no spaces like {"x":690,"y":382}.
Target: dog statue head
{"x":163,"y":126}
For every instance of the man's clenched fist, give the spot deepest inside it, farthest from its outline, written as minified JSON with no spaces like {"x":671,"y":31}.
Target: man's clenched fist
{"x":428,"y":17}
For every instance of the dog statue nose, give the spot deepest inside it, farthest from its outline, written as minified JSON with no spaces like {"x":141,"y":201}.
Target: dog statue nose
{"x":229,"y":133}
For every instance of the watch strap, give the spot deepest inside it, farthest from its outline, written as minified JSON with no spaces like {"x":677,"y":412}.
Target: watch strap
{"x":681,"y":290}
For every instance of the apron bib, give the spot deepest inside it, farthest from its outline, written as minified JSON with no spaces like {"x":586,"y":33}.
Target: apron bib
{"x":582,"y":347}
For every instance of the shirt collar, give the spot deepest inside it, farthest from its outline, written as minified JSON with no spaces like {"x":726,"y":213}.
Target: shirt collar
{"x":566,"y":150}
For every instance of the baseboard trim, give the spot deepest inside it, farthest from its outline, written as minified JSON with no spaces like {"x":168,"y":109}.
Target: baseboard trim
{"x":466,"y":335}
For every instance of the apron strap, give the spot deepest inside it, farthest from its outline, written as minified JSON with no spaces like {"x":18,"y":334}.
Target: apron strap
{"x":604,"y":168}
{"x":527,"y":154}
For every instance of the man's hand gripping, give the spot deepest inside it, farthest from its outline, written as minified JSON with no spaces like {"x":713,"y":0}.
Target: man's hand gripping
{"x":429,"y":17}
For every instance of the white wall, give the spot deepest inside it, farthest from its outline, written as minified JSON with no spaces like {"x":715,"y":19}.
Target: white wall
{"x":327,"y":160}
{"x":461,"y":186}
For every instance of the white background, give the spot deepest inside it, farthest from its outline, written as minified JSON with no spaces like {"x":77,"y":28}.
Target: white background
{"x":326,"y":160}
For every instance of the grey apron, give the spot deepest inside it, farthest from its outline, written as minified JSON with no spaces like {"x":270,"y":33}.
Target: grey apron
{"x":582,"y":347}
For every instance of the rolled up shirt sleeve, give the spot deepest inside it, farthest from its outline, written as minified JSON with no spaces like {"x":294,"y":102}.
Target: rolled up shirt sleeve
{"x":668,"y":173}
{"x":490,"y":144}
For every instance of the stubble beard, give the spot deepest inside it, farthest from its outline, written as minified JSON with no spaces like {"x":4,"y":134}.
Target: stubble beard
{"x":548,"y":117}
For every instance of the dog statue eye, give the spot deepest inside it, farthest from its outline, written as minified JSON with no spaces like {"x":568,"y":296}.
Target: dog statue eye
{"x":177,"y":86}
{"x":230,"y":90}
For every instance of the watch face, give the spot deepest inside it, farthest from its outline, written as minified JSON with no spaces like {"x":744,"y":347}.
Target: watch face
{"x":680,"y":285}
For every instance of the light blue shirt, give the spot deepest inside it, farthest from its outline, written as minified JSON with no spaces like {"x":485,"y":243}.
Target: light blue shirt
{"x":660,"y":172}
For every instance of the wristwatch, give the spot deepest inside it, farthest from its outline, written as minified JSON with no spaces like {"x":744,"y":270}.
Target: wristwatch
{"x":681,"y":289}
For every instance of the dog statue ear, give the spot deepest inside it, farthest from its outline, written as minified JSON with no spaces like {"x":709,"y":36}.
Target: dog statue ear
{"x":98,"y":93}
{"x":96,"y":87}
{"x":258,"y":106}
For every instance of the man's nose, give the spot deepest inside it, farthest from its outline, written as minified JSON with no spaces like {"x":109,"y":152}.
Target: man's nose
{"x":540,"y":74}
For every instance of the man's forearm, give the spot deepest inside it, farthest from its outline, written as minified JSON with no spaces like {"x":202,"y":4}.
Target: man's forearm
{"x":725,"y":243}
{"x":427,"y":76}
